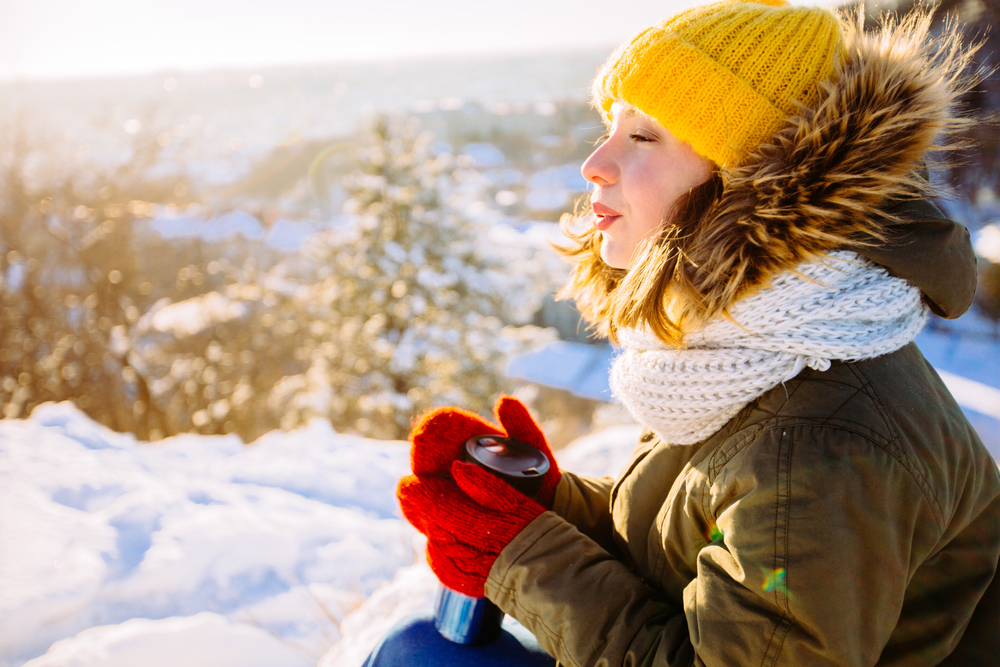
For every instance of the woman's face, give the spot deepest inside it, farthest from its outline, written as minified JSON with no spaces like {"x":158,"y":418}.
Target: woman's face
{"x":640,"y":171}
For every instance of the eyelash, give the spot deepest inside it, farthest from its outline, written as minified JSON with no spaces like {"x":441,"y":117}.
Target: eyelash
{"x":641,"y":138}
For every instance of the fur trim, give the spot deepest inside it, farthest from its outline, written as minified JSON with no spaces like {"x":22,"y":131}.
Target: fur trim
{"x":826,"y":180}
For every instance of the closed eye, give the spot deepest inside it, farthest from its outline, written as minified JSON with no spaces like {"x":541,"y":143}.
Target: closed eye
{"x":640,"y":138}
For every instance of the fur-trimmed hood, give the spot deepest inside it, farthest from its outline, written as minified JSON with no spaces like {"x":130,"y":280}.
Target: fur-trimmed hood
{"x":846,"y":174}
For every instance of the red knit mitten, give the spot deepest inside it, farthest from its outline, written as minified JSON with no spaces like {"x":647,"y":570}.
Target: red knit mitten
{"x":439,"y":437}
{"x":468,"y":522}
{"x":519,"y":425}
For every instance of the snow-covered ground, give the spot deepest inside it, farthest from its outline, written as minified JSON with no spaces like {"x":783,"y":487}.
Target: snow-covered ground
{"x":205,"y":551}
{"x":220,"y":553}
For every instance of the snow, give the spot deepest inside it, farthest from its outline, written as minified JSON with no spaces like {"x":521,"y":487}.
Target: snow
{"x":484,"y":156}
{"x":195,"y":546}
{"x":503,"y":177}
{"x":202,"y":640}
{"x":535,"y":234}
{"x":553,"y":189}
{"x":567,"y":177}
{"x":284,"y":235}
{"x":965,"y":354}
{"x":219,"y":228}
{"x":412,"y":590}
{"x":578,"y":368}
{"x":548,"y":199}
{"x":974,"y":395}
{"x":290,"y":235}
{"x":987,"y":243}
{"x":188,"y":317}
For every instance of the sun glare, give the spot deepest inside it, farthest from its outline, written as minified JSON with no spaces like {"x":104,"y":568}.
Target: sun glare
{"x":67,"y":38}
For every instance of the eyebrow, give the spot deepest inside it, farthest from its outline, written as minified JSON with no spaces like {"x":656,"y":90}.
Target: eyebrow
{"x":628,"y":110}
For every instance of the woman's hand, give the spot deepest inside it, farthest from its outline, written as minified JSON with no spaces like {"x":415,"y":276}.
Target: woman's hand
{"x":467,"y":514}
{"x":468,"y":520}
{"x":439,"y":437}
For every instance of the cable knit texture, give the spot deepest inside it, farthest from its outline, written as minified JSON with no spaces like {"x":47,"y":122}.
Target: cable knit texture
{"x":468,"y":522}
{"x":842,"y":307}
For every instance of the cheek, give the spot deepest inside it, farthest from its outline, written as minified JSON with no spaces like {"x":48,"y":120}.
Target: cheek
{"x":673,"y":179}
{"x":642,"y":183}
{"x":656,"y":190}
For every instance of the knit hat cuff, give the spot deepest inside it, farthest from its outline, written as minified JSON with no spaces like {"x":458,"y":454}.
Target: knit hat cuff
{"x":694,"y":96}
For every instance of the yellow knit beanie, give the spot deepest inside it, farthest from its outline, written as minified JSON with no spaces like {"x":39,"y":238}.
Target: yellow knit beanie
{"x":725,"y":76}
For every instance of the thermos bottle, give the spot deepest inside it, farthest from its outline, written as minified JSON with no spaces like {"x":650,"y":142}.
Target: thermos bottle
{"x":461,"y":618}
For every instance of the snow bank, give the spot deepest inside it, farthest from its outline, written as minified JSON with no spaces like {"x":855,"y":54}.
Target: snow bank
{"x":202,"y":640}
{"x":198,"y":550}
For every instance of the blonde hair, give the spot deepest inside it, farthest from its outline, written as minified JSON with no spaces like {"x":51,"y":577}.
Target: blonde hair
{"x":646,"y":295}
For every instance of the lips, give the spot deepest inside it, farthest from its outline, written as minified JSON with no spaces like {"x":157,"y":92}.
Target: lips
{"x":605,"y":216}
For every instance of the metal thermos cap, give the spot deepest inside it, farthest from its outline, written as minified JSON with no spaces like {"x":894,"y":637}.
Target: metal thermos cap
{"x":507,"y":456}
{"x":516,"y":462}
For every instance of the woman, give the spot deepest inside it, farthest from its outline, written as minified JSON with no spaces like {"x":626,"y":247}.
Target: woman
{"x":807,"y":491}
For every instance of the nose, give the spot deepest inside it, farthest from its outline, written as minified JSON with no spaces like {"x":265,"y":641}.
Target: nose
{"x":600,"y":168}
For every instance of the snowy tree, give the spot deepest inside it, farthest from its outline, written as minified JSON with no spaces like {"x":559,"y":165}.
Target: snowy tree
{"x":415,"y":306}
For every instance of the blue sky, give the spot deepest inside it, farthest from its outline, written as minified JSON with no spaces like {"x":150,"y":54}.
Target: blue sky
{"x":59,"y":38}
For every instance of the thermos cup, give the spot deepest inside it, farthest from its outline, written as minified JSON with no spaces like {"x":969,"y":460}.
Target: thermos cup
{"x":469,"y":620}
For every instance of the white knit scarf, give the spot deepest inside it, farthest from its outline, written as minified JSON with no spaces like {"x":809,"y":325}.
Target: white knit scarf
{"x":842,"y":307}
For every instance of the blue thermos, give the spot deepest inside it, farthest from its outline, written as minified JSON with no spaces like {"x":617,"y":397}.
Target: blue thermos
{"x":461,"y":618}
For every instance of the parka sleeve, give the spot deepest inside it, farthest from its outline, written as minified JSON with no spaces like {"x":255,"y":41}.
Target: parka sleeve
{"x":585,"y":502}
{"x":807,"y":563}
{"x":583,"y":605}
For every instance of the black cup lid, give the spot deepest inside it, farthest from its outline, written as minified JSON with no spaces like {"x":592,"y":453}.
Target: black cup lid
{"x":506,"y":456}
